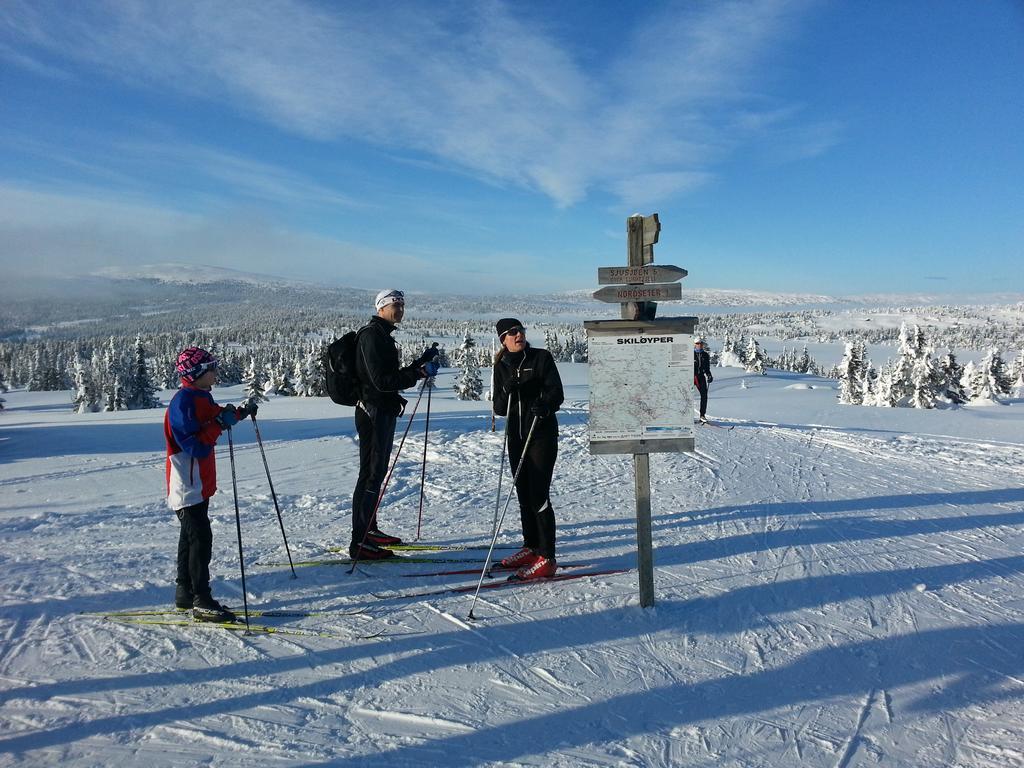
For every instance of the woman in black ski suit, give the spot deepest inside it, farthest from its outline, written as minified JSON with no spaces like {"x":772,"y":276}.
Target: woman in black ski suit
{"x":528,"y":391}
{"x":702,"y":377}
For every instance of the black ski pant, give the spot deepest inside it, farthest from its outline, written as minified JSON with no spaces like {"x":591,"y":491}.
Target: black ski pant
{"x":702,"y":388}
{"x":533,"y":487}
{"x":195,"y":548}
{"x":376,"y":429}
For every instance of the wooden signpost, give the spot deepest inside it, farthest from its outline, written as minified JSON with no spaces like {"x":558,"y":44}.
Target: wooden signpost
{"x":649,"y":292}
{"x":641,"y":374}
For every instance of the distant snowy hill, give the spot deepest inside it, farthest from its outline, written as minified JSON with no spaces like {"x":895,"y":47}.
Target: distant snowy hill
{"x":198,"y":274}
{"x":192,"y":274}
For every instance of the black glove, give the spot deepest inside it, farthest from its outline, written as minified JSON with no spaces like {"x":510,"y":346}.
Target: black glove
{"x":428,"y":355}
{"x":710,"y":378}
{"x":248,"y":408}
{"x":228,"y":417}
{"x":511,"y":386}
{"x":540,"y":410}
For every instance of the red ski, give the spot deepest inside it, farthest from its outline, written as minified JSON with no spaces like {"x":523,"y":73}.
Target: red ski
{"x":496,"y":585}
{"x":496,"y":567}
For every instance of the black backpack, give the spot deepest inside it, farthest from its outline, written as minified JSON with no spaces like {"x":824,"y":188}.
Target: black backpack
{"x":340,"y":370}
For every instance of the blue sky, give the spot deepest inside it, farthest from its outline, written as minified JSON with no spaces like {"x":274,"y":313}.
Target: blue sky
{"x":787,"y":145}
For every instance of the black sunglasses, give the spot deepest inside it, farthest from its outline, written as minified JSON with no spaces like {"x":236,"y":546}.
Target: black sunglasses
{"x":514,"y":331}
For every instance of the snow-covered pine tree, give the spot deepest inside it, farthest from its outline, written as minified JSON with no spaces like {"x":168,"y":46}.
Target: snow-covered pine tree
{"x":792,"y":360}
{"x":851,"y":385}
{"x":273,"y":374}
{"x":803,"y":363}
{"x":313,"y":368}
{"x":969,"y":380}
{"x":285,"y":385}
{"x":1018,"y":375}
{"x":868,"y":382}
{"x":85,"y":397}
{"x":299,"y":377}
{"x":59,"y":372}
{"x":553,"y":345}
{"x":229,"y":372}
{"x":925,"y":377}
{"x":468,"y":384}
{"x":489,"y":394}
{"x":987,"y":384}
{"x":730,"y":355}
{"x":950,"y":373}
{"x":141,"y":389}
{"x":165,"y":372}
{"x":1001,"y":373}
{"x":754,"y":359}
{"x":36,"y":370}
{"x":903,"y":366}
{"x":884,"y":394}
{"x":253,"y":381}
{"x":115,"y":373}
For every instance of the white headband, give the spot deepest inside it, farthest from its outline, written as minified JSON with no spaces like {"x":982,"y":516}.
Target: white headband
{"x":388,"y":296}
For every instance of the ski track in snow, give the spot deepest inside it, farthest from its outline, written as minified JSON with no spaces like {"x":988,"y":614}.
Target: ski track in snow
{"x":826,"y":596}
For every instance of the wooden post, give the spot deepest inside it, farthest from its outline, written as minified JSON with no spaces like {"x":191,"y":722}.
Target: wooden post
{"x":644,"y":546}
{"x":632,"y":310}
{"x":642,"y":310}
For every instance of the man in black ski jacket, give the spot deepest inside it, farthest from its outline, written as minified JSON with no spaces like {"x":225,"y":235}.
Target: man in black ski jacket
{"x":528,"y":391}
{"x":702,"y":377}
{"x":381,"y":378}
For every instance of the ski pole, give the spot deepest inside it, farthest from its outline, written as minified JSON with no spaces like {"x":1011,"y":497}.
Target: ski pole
{"x":273,"y":494}
{"x":387,"y":479}
{"x":238,"y":527}
{"x":423,"y":471}
{"x":497,"y":528}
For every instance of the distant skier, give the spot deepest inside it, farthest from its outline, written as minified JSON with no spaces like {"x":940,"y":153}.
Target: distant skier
{"x":528,"y":390}
{"x":381,"y":378}
{"x":192,"y":424}
{"x":702,"y":377}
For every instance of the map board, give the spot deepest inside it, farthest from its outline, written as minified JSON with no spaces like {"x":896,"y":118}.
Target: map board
{"x":641,"y":385}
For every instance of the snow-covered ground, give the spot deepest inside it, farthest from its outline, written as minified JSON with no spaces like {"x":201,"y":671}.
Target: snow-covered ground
{"x":837,"y":586}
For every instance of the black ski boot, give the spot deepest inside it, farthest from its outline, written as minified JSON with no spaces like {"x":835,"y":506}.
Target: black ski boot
{"x":183,"y":598}
{"x":208,"y":609}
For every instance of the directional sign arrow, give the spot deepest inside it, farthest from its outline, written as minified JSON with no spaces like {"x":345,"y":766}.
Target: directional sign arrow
{"x":655,"y":292}
{"x":651,"y":273}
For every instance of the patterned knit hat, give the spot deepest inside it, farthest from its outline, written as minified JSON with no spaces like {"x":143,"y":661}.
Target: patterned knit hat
{"x":193,"y":362}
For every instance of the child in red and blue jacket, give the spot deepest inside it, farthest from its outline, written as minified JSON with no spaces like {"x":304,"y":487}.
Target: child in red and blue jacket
{"x":192,"y":424}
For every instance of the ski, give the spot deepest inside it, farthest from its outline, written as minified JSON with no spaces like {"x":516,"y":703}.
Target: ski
{"x":348,"y":561}
{"x":494,"y":585}
{"x":716,"y":424}
{"x":496,"y":567}
{"x":237,"y":626}
{"x":257,"y":612}
{"x":431,"y":547}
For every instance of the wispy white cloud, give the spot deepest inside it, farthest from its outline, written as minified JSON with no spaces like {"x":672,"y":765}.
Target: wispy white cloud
{"x":475,"y":86}
{"x":138,"y":168}
{"x":645,"y":189}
